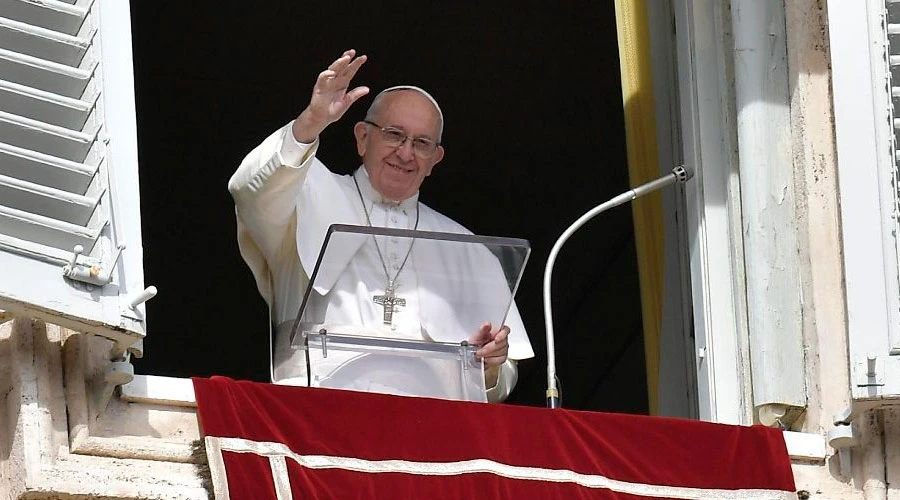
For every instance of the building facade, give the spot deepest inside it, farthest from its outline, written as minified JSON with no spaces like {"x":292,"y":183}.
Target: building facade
{"x":777,"y":292}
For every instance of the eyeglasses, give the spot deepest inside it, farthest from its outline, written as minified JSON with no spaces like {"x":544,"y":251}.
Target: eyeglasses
{"x":423,"y":147}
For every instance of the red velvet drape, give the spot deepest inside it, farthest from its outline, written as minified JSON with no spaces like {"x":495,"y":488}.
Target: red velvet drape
{"x":632,"y":451}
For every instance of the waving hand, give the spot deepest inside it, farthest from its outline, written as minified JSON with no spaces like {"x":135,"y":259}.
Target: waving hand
{"x":331,"y":97}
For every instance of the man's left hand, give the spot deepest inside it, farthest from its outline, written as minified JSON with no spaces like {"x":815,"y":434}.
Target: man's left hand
{"x":494,"y":348}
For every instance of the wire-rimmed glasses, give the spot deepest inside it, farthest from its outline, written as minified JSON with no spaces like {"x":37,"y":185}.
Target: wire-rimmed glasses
{"x":423,"y":147}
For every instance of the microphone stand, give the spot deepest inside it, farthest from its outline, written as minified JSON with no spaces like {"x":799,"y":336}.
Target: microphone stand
{"x":678,"y":174}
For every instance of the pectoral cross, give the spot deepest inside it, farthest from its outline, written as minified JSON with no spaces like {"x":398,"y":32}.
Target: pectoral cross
{"x":389,"y":301}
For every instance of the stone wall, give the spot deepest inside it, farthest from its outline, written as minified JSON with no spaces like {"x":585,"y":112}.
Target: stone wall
{"x":867,"y":464}
{"x":65,"y":434}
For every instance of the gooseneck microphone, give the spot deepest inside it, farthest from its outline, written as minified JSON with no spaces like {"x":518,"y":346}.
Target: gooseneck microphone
{"x":678,"y":174}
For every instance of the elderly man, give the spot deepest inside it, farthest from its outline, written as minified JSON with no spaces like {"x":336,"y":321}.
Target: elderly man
{"x":286,"y":199}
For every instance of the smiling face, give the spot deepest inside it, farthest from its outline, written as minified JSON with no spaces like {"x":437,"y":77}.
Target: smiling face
{"x":395,"y":171}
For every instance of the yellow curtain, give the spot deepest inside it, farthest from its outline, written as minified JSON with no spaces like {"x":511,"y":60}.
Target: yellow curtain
{"x":643,"y":165}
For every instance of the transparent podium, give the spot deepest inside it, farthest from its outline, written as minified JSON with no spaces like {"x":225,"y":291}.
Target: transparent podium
{"x":391,"y":311}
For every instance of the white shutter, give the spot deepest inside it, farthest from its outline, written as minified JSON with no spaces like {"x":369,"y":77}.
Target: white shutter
{"x":892,"y":15}
{"x":68,"y":166}
{"x":866,"y":89}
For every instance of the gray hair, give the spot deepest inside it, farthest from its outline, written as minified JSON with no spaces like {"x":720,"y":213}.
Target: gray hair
{"x":375,"y":107}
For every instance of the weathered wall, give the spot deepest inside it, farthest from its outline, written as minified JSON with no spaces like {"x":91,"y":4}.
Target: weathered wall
{"x":61,"y":438}
{"x":873,"y":471}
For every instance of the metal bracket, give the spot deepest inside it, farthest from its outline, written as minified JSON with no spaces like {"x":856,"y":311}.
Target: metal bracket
{"x":324,"y":333}
{"x":92,"y":275}
{"x":463,"y":347}
{"x":871,"y":373}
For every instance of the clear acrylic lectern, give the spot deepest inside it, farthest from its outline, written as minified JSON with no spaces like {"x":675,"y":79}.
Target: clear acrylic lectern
{"x":390,"y":311}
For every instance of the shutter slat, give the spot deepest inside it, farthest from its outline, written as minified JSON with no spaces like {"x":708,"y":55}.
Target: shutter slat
{"x":44,"y":75}
{"x":46,"y":230}
{"x":45,"y":106}
{"x":54,"y":256}
{"x":49,"y":202}
{"x":43,"y":43}
{"x":44,"y":169}
{"x":49,"y":14}
{"x":45,"y":138}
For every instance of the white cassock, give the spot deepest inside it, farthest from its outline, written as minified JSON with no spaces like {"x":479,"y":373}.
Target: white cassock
{"x":286,"y":199}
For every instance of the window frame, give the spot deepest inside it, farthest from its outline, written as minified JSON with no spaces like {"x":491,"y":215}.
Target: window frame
{"x":713,"y":212}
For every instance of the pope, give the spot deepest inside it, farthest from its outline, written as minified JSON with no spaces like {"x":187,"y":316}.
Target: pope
{"x":285,"y":200}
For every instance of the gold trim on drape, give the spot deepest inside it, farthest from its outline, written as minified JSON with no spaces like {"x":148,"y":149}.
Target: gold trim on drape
{"x":643,"y":165}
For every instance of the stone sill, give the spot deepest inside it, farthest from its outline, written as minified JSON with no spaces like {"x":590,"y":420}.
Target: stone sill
{"x":152,"y":389}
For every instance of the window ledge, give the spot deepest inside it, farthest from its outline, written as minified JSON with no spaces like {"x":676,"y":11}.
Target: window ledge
{"x":152,"y":389}
{"x":805,"y":446}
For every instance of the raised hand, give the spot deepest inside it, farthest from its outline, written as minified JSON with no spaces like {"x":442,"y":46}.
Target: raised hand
{"x":330,"y":97}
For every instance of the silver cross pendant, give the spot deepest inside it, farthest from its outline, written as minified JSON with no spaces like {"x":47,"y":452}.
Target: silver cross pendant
{"x":389,"y":302}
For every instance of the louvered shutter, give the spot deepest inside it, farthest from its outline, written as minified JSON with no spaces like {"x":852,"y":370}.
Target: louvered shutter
{"x":865,"y":52}
{"x":892,"y":25}
{"x":68,"y":166}
{"x":875,"y":354}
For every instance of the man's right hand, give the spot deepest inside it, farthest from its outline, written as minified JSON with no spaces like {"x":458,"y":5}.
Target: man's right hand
{"x":330,"y":97}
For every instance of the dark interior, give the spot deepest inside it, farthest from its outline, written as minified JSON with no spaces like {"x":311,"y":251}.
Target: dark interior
{"x":534,"y":138}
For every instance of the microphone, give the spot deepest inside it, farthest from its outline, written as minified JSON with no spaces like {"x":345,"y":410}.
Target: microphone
{"x":678,"y":174}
